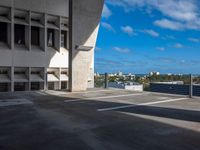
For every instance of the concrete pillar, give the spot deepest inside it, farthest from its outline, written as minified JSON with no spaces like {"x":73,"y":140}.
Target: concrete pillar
{"x":191,"y":86}
{"x":29,"y":31}
{"x":29,"y":79}
{"x":106,"y":80}
{"x":12,"y":44}
{"x":45,"y":79}
{"x":45,"y":33}
{"x":59,"y":75}
{"x":84,"y":21}
{"x":12,"y":79}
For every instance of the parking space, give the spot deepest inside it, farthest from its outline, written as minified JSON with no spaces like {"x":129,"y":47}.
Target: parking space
{"x":99,"y":120}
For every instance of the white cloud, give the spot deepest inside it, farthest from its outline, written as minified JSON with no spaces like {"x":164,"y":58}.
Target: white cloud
{"x":194,"y":40}
{"x":160,"y":48}
{"x":178,"y":45}
{"x":121,"y":50}
{"x":106,"y":12}
{"x":107,"y":26}
{"x":151,"y":33}
{"x":168,"y":24}
{"x":181,"y":14}
{"x":128,"y":30}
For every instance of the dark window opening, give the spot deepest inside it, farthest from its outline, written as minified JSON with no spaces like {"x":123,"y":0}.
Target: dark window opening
{"x":51,"y":38}
{"x":20,"y":18}
{"x":64,"y":24}
{"x":20,"y":72}
{"x":52,"y":73}
{"x":63,"y":85}
{"x":3,"y":72}
{"x":4,"y":15}
{"x":20,"y":87}
{"x":35,"y":36}
{"x":64,"y":39}
{"x":3,"y":32}
{"x":35,"y":72}
{"x":4,"y":87}
{"x":51,"y":22}
{"x":19,"y":34}
{"x":36,"y":20}
{"x":64,"y":72}
{"x":35,"y":86}
{"x":51,"y":85}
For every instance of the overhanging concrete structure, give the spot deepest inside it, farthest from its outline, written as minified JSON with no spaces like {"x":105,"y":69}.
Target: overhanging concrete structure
{"x":85,"y":17}
{"x":43,"y":41}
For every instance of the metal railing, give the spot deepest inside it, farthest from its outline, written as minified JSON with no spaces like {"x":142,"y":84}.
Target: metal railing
{"x":172,"y":84}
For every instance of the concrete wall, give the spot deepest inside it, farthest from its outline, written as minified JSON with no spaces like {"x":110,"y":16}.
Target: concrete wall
{"x":84,"y":19}
{"x":85,"y":16}
{"x":56,"y":7}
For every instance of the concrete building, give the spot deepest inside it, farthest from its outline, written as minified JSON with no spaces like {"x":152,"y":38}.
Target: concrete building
{"x":48,"y":44}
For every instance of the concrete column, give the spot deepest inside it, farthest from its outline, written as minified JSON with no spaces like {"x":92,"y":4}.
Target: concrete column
{"x":29,"y":30}
{"x":84,"y":21}
{"x":12,"y":44}
{"x":59,"y":24}
{"x":106,"y":80}
{"x":29,"y":79}
{"x":191,"y":86}
{"x":59,"y":78}
{"x":12,"y":79}
{"x":45,"y":79}
{"x":45,"y":32}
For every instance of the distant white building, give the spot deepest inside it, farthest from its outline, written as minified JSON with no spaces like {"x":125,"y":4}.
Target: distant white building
{"x":173,"y":82}
{"x":131,"y":76}
{"x":154,"y":73}
{"x":120,"y":73}
{"x":133,"y":86}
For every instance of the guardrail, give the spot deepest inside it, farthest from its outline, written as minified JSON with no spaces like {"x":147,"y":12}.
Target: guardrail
{"x":174,"y":89}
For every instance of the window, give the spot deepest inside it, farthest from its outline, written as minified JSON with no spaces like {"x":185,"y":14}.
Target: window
{"x":3,"y":72}
{"x":35,"y":86}
{"x":19,"y":72}
{"x":64,"y":72}
{"x":64,"y":39}
{"x":19,"y":34}
{"x":21,"y":16}
{"x":63,"y":85}
{"x":3,"y":32}
{"x":20,"y":86}
{"x":5,"y":14}
{"x":52,"y":72}
{"x":50,"y":38}
{"x":4,"y":87}
{"x":35,"y":72}
{"x":35,"y":36}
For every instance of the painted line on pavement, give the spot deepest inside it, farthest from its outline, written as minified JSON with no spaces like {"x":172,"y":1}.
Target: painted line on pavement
{"x":141,"y":104}
{"x":104,"y":97}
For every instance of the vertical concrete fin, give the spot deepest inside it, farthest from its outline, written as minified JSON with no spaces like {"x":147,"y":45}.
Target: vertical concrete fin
{"x":85,"y":16}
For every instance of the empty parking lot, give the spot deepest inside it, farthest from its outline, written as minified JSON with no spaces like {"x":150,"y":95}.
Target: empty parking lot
{"x":98,"y":120}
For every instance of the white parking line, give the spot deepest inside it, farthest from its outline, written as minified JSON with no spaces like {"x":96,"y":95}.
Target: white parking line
{"x":141,"y":104}
{"x":114,"y":96}
{"x":103,"y":97}
{"x":95,"y":91}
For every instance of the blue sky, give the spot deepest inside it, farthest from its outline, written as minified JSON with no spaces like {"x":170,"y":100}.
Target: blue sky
{"x":140,"y":36}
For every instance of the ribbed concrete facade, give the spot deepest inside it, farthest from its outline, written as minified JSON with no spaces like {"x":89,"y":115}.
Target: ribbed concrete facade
{"x":43,"y":44}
